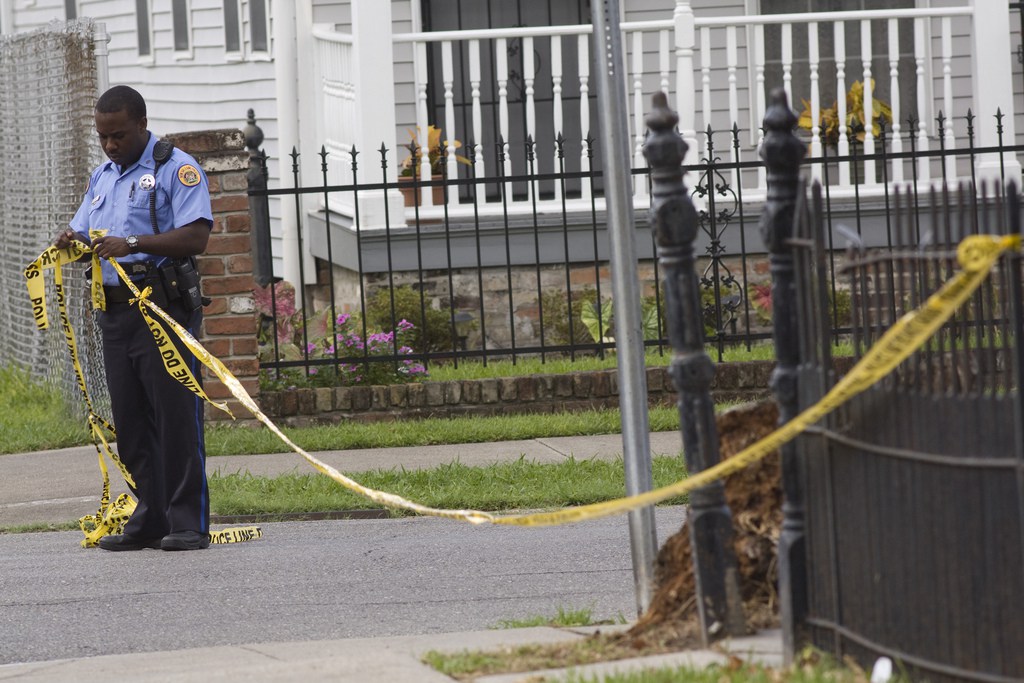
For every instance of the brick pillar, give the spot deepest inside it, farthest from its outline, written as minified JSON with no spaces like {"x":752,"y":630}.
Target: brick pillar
{"x":229,"y":328}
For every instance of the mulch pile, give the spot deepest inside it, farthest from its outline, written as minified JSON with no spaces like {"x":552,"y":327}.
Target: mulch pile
{"x":754,"y":496}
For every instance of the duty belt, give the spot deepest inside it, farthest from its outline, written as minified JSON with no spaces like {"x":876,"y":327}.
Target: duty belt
{"x":119,"y":294}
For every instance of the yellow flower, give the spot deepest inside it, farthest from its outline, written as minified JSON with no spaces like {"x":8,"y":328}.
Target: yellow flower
{"x":828,"y":119}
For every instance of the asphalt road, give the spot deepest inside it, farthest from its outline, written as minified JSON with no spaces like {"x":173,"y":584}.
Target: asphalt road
{"x":308,"y":581}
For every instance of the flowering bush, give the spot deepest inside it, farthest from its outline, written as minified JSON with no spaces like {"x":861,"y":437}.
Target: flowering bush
{"x":341,"y":340}
{"x":348,"y":344}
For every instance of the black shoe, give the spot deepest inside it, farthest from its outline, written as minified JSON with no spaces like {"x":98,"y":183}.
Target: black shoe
{"x":185,"y":540}
{"x":128,"y":542}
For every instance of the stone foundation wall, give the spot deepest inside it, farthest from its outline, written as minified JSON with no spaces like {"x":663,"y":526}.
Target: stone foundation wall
{"x":489,"y":290}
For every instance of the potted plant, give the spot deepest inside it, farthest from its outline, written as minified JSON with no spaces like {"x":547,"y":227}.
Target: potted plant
{"x":437,"y":156}
{"x":828,"y":119}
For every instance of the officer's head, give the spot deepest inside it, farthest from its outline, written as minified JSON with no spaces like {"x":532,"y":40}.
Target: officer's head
{"x":121,"y":124}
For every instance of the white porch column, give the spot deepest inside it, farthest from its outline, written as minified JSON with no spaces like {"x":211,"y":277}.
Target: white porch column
{"x":286,"y":77}
{"x":374,"y":79}
{"x":993,"y":85}
{"x":686,"y":94}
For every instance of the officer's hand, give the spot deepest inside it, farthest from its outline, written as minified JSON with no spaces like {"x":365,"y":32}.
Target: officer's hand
{"x":66,"y":236}
{"x":110,"y":247}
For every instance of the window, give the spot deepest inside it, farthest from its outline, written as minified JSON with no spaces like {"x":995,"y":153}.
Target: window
{"x":143,"y":29}
{"x":71,"y":9}
{"x":258,"y":26}
{"x":232,"y":28}
{"x":181,"y":28}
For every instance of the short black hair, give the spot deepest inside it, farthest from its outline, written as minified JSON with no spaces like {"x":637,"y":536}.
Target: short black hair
{"x":122,"y":98}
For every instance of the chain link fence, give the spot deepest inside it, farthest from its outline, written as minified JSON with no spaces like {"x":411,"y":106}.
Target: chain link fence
{"x":48,"y":87}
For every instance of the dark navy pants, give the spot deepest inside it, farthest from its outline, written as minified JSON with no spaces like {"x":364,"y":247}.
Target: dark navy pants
{"x":159,"y":423}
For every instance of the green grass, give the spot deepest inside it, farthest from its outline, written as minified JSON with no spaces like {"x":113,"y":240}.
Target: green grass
{"x":35,"y":417}
{"x":39,"y":526}
{"x":517,"y":485}
{"x":531,"y":365}
{"x":563,"y":617}
{"x":732,"y":673}
{"x":811,"y":667}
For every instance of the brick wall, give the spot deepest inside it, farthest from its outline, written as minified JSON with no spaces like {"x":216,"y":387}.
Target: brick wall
{"x":229,"y":328}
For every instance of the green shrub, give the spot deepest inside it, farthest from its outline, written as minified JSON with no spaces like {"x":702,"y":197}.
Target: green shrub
{"x":432,"y":332}
{"x":556,"y":316}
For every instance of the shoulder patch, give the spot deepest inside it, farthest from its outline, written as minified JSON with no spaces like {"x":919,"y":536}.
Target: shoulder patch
{"x":188,"y":175}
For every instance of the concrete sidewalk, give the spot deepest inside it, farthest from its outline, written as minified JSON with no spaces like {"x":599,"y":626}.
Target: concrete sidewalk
{"x":370,"y":660}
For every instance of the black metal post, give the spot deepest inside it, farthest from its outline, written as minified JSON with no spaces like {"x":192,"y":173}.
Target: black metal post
{"x":259,"y":206}
{"x":782,"y":152}
{"x":675,"y":223}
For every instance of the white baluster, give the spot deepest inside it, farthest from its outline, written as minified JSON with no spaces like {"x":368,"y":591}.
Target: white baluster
{"x":920,"y":54}
{"x":867,"y":115}
{"x":448,"y":75}
{"x":894,"y":98}
{"x":705,"y":85}
{"x":479,"y":163}
{"x":422,"y":123}
{"x":760,"y":100}
{"x":947,"y":94}
{"x":501,"y":53}
{"x":529,"y":70}
{"x":583,"y":60}
{"x":732,"y":62}
{"x":843,"y":144}
{"x":787,"y":60}
{"x":556,"y":95}
{"x":814,"y":59}
{"x":639,"y":183}
{"x":664,"y":65}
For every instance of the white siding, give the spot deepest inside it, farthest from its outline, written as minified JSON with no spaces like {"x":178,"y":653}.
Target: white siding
{"x":37,"y":14}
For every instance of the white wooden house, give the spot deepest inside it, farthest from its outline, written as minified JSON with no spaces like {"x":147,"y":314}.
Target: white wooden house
{"x":362,"y":73}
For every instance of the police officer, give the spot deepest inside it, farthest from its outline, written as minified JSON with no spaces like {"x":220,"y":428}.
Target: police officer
{"x":157,"y":216}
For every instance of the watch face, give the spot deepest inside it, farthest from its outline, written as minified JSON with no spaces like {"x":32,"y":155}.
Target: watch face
{"x":133,"y":242}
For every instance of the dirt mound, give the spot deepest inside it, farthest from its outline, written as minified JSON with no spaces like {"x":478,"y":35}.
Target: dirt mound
{"x":754,"y":495}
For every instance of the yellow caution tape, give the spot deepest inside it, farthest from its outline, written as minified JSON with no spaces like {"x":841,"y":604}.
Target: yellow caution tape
{"x":236,"y":535}
{"x":976,"y":254}
{"x":110,"y":518}
{"x":99,"y":297}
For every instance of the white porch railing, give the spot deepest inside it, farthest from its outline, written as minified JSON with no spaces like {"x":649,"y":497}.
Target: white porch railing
{"x":714,"y":69}
{"x":336,"y":102}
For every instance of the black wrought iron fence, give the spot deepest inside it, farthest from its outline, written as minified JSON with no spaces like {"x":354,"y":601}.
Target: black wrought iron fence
{"x":517,"y":265}
{"x":908,"y":499}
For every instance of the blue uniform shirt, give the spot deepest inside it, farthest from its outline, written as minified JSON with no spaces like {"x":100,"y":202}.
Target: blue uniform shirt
{"x":119,"y":202}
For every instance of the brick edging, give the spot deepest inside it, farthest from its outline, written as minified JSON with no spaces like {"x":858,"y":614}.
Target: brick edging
{"x":571,"y":392}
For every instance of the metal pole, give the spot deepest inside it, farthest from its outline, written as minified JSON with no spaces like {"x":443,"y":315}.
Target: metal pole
{"x":101,"y":47}
{"x":629,"y":342}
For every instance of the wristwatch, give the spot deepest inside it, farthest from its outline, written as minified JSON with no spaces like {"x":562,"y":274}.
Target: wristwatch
{"x":133,"y":243}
